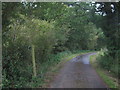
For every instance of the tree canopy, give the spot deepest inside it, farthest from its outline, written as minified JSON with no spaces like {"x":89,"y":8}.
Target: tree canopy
{"x":35,"y":31}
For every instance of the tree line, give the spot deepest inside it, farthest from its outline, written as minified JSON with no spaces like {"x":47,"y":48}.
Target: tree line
{"x":33,"y":33}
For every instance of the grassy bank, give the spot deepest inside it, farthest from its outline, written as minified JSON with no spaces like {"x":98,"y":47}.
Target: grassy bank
{"x":107,"y":76}
{"x":51,"y":68}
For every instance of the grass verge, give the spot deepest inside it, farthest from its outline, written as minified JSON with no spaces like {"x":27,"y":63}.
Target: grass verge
{"x":104,"y":74}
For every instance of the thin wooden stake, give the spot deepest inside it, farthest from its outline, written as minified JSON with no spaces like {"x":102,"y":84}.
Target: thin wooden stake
{"x":33,"y":61}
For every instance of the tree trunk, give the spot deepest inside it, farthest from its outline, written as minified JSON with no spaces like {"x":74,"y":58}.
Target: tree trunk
{"x":33,"y":60}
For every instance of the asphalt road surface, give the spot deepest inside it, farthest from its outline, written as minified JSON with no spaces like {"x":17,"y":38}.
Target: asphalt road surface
{"x":78,"y":73}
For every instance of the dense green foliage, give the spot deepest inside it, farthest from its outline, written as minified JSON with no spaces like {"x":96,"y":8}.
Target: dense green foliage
{"x":110,"y":12}
{"x":108,"y":78}
{"x":55,"y":29}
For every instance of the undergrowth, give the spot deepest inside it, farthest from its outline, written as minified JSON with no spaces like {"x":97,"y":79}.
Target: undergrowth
{"x":103,"y":73}
{"x":26,"y":79}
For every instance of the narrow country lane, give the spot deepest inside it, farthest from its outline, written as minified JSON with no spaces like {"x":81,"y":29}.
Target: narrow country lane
{"x":78,"y":73}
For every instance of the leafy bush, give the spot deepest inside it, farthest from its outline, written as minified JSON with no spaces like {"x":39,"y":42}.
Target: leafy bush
{"x":109,"y":63}
{"x":23,"y":33}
